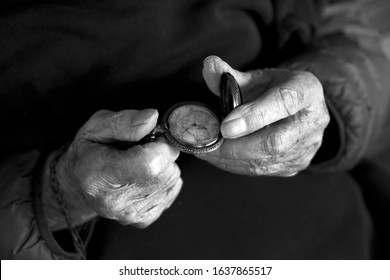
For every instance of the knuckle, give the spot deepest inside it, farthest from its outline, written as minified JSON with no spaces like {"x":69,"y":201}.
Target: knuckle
{"x":139,"y":216}
{"x":95,"y":124}
{"x":311,"y":82}
{"x":319,"y":123}
{"x":140,"y":225}
{"x":256,"y":117}
{"x":288,"y":174}
{"x":307,"y":84}
{"x":148,"y":216}
{"x":153,"y":167}
{"x":148,"y":165}
{"x":115,"y":123}
{"x":113,"y":174}
{"x":274,"y":144}
{"x":156,"y":163}
{"x":90,"y":124}
{"x":287,"y":170}
{"x":97,"y":117}
{"x":100,"y":114}
{"x":291,"y":99}
{"x":258,"y":170}
{"x":126,"y":218}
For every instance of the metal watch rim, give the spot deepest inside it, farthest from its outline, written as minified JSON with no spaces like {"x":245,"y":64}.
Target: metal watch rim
{"x":188,"y":148}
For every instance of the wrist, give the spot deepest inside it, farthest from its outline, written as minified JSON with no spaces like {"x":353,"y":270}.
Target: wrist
{"x":60,"y":190}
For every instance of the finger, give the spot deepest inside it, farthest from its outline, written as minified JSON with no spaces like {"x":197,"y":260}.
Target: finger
{"x":144,"y":208}
{"x":275,"y":104}
{"x":127,"y":199}
{"x":289,"y":168}
{"x":139,"y":163}
{"x":214,"y":67}
{"x":102,"y":168}
{"x":127,"y":125}
{"x":146,"y":192}
{"x":270,"y":144}
{"x":162,"y":201}
{"x":284,"y":166}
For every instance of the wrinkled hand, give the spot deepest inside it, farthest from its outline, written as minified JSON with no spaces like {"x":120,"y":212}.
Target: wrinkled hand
{"x":280,"y":126}
{"x":133,"y":186}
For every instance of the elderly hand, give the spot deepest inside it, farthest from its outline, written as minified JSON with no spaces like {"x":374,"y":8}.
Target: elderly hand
{"x":278,"y":128}
{"x":134,"y":185}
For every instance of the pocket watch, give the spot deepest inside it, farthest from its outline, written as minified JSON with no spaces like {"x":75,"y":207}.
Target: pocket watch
{"x":194,"y":127}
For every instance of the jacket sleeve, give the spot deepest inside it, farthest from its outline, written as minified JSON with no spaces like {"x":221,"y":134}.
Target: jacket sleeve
{"x":351,"y":56}
{"x":24,"y":233}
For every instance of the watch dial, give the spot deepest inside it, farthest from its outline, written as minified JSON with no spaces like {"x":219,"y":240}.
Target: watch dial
{"x":194,"y":125}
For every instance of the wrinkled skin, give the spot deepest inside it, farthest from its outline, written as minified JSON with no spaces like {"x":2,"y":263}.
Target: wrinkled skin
{"x":133,"y":186}
{"x":278,"y":128}
{"x":277,"y":131}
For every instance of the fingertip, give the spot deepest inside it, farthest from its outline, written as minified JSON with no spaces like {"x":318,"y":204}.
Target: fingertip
{"x":242,"y":121}
{"x":213,"y":67}
{"x":210,"y":58}
{"x":234,"y":128}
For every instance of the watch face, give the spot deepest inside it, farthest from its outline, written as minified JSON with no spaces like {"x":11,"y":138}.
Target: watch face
{"x":194,"y":127}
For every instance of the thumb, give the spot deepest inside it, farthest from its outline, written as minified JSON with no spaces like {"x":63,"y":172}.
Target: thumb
{"x":214,"y":67}
{"x":127,"y":125}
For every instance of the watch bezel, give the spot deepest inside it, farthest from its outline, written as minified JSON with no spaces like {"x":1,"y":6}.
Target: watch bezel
{"x":187,"y":147}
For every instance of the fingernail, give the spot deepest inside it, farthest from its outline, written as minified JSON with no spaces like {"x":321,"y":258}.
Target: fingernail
{"x":209,"y":57}
{"x":233,"y":128}
{"x":142,"y":117}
